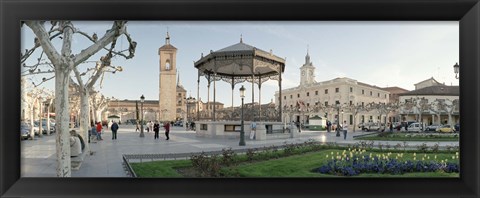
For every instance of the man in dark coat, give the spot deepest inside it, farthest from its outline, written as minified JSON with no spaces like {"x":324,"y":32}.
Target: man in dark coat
{"x":156,"y":129}
{"x":167,"y":129}
{"x":114,"y":129}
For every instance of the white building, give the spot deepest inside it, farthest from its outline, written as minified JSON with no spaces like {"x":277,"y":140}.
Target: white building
{"x":328,"y":95}
{"x":431,"y":103}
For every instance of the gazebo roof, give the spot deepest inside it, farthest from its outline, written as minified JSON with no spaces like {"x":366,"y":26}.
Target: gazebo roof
{"x":240,"y":61}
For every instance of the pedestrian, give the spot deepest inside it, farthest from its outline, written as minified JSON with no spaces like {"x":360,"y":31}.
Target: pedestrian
{"x":345,"y":128}
{"x":192,"y":125}
{"x":253,"y":128}
{"x":99,"y":131}
{"x":299,"y":127}
{"x":167,"y":129}
{"x":391,"y":127}
{"x":109,"y":125}
{"x":151,"y":125}
{"x":329,"y":126}
{"x":93,"y":131}
{"x":114,"y":129}
{"x":137,"y":129}
{"x":148,"y":126}
{"x":156,"y":129}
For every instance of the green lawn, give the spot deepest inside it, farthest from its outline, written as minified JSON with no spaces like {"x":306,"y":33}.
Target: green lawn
{"x":292,"y":166}
{"x":387,"y":136}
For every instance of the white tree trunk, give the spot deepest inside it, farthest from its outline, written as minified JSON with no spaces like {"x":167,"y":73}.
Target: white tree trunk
{"x":48,"y":116}
{"x":84,"y":117}
{"x":40,"y":117}
{"x":32,"y":125}
{"x":62,"y":121}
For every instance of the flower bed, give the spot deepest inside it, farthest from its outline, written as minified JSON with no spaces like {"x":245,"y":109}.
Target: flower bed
{"x":357,"y":162}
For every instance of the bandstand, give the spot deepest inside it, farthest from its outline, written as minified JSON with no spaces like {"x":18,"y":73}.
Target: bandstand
{"x":239,"y":63}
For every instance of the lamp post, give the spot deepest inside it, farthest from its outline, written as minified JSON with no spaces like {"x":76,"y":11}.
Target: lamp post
{"x":338,"y":121}
{"x":242,"y":132}
{"x":142,"y":100}
{"x":456,"y":68}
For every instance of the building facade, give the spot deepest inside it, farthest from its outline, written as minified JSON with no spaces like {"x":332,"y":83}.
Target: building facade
{"x":330,"y":98}
{"x":431,"y":103}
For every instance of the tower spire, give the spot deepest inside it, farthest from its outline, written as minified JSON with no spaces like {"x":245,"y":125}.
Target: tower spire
{"x":167,"y":39}
{"x":241,"y":40}
{"x":307,"y":58}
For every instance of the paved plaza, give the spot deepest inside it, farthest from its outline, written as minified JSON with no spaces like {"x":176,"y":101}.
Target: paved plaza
{"x":39,"y":160}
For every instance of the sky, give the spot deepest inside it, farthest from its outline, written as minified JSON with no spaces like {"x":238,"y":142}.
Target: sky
{"x":377,"y":53}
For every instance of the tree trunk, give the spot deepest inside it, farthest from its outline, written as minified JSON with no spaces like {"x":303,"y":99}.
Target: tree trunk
{"x":32,"y":125}
{"x":48,"y":117}
{"x":62,"y":118}
{"x":40,"y":117}
{"x":84,"y":117}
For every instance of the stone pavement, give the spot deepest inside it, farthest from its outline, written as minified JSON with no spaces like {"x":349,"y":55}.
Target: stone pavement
{"x":39,"y":160}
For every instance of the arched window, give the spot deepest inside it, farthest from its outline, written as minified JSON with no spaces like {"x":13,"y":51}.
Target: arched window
{"x":167,"y":65}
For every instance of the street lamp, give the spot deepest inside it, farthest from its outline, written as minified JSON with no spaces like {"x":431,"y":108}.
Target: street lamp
{"x":242,"y":132}
{"x":142,"y":100}
{"x":456,"y":68}
{"x":338,"y":121}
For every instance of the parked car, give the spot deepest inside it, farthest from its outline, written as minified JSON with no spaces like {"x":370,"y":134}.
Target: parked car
{"x":415,"y":127}
{"x":432,"y":127}
{"x":25,"y":130}
{"x":44,"y":127}
{"x":445,"y":129}
{"x":457,"y":127}
{"x":376,"y":127}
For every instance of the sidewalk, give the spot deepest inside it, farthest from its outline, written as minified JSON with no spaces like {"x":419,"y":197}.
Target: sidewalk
{"x":38,"y":157}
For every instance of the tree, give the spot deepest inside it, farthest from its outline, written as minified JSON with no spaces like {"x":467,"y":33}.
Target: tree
{"x":63,"y":62}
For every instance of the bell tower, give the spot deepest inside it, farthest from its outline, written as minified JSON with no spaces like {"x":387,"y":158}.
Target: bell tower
{"x":167,"y":82}
{"x":307,"y":72}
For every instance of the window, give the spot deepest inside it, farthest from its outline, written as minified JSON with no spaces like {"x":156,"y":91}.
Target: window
{"x":363,"y":104}
{"x":337,"y":90}
{"x":308,"y":104}
{"x":363,"y":92}
{"x":284,"y":97}
{"x":326,"y":91}
{"x":378,"y":95}
{"x":167,"y":65}
{"x":291,"y":96}
{"x":308,"y":93}
{"x":326,"y":104}
{"x":337,"y":102}
{"x":351,"y":89}
{"x":298,"y":95}
{"x":316,"y":93}
{"x":351,"y":102}
{"x":385,"y":95}
{"x":371,"y":93}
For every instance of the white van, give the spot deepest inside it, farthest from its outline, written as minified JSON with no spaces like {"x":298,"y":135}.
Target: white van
{"x":415,"y":127}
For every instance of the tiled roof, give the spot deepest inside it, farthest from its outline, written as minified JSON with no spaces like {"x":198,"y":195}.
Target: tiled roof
{"x":437,"y":90}
{"x":436,"y":82}
{"x":237,"y":47}
{"x":181,"y":89}
{"x":394,"y":89}
{"x":168,"y":46}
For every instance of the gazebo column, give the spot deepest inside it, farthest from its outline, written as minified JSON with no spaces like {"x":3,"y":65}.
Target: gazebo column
{"x":233,"y":87}
{"x":198,"y":96}
{"x":260,"y":98}
{"x":253,"y":97}
{"x":280,"y":93}
{"x":208,"y":97}
{"x":214,"y":95}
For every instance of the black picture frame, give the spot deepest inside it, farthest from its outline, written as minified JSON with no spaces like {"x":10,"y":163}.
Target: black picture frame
{"x":465,"y":11}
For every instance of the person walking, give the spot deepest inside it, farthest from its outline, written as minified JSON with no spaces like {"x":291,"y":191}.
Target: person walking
{"x":391,"y":127}
{"x":114,"y":129}
{"x":99,"y":131}
{"x":156,"y":129}
{"x":148,"y":126}
{"x":329,"y":126}
{"x":345,"y":129}
{"x":167,"y":129}
{"x":138,"y":128}
{"x":93,"y":131}
{"x":253,"y":127}
{"x":151,"y":125}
